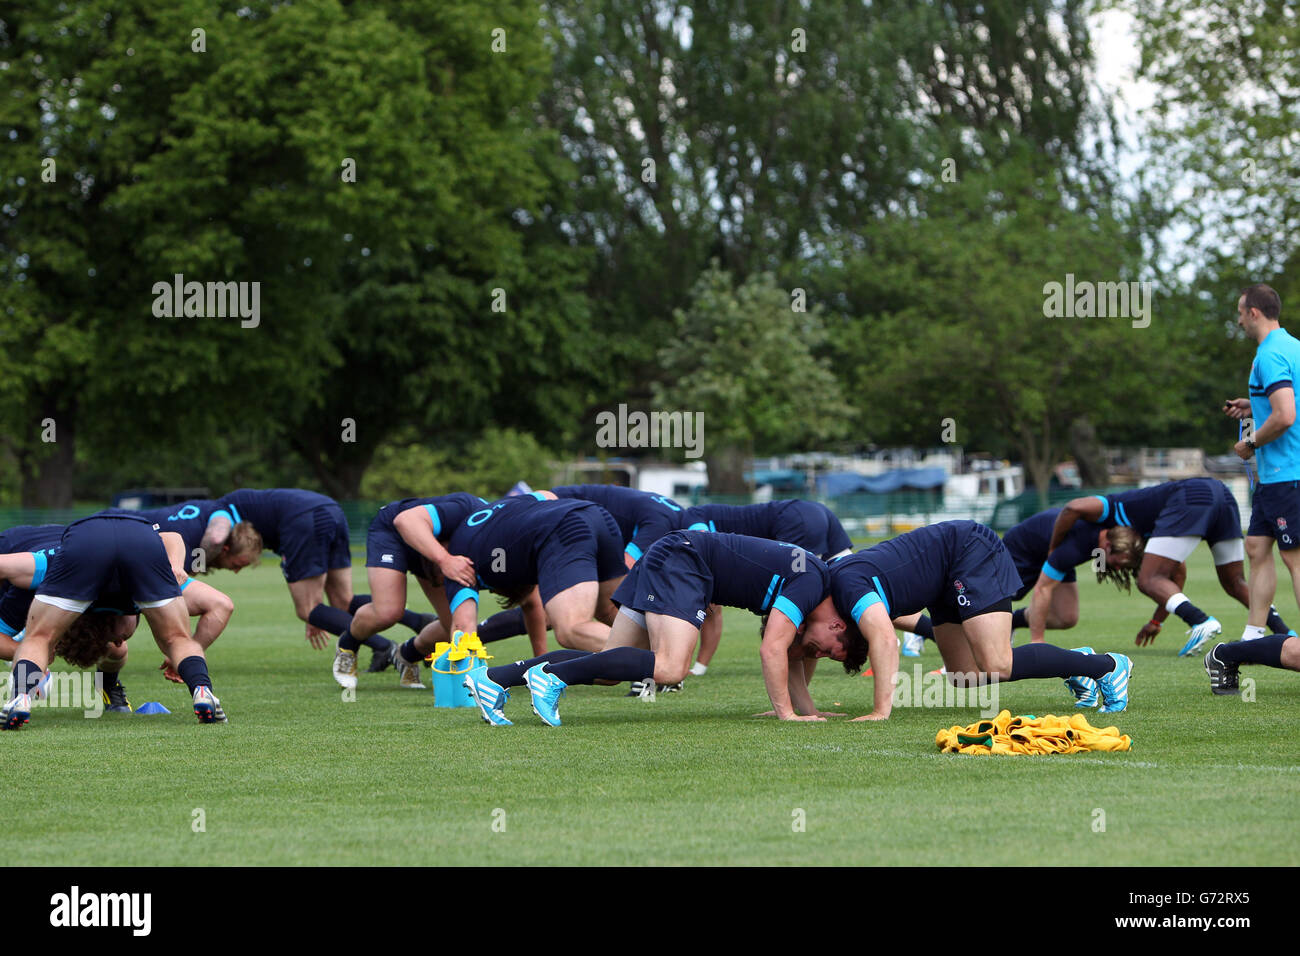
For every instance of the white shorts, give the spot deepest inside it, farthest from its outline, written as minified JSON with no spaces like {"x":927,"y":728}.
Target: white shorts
{"x":1181,"y":548}
{"x":79,"y":607}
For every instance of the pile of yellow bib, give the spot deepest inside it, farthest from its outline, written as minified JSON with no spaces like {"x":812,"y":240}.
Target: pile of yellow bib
{"x":1005,"y":734}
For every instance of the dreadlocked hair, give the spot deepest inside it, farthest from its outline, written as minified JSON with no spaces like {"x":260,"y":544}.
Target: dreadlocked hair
{"x":1123,"y":541}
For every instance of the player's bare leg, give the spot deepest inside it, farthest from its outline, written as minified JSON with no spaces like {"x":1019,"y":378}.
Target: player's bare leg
{"x":572,"y":613}
{"x":1262,"y":586}
{"x":673,"y":641}
{"x":306,"y":594}
{"x":387,"y":602}
{"x":710,"y":637}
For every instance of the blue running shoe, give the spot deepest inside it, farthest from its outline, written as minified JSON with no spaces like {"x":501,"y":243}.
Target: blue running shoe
{"x":546,"y":690}
{"x":1200,"y":634}
{"x":16,"y":713}
{"x":490,"y":696}
{"x":1084,"y":689}
{"x":1114,"y":686}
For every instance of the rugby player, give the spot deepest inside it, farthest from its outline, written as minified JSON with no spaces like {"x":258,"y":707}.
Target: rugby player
{"x":1174,"y":518}
{"x":1050,"y":575}
{"x":809,"y":524}
{"x":15,"y":602}
{"x":662,"y":602}
{"x":964,"y":575}
{"x":120,"y":555}
{"x":1275,"y":507}
{"x":310,"y":533}
{"x":409,"y":535}
{"x":642,"y":519}
{"x":560,"y":560}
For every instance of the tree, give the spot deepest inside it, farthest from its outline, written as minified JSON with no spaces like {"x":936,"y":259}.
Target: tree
{"x":962,"y":329}
{"x":749,"y":362}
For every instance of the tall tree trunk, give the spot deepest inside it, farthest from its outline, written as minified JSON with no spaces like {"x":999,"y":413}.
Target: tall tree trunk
{"x":727,"y":472}
{"x":49,"y":464}
{"x":1088,"y":453}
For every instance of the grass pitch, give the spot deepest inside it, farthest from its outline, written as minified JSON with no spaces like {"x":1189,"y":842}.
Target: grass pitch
{"x":299,"y":776}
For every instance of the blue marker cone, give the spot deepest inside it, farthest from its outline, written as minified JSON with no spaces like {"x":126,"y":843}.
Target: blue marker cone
{"x":152,"y":707}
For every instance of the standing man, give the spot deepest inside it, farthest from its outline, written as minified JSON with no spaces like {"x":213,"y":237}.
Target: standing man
{"x":1275,"y":508}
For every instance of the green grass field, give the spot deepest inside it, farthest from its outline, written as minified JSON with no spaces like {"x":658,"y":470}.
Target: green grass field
{"x":299,"y":776}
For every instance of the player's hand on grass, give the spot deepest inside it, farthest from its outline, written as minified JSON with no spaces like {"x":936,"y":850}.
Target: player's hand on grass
{"x":1237,"y":408}
{"x":805,"y":717}
{"x":460,"y":569}
{"x":317,"y":637}
{"x":170,"y":673}
{"x":1148,"y":633}
{"x":874,"y":715}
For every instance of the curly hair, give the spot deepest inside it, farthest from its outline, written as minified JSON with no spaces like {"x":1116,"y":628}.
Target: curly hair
{"x":86,"y":642}
{"x":1123,"y":541}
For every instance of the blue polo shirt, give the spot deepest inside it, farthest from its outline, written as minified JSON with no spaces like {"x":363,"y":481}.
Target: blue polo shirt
{"x":1276,"y":365}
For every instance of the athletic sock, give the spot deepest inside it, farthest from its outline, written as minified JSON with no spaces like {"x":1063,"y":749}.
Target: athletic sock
{"x":357,"y":601}
{"x":512,"y":675}
{"x":1029,"y":661}
{"x":1019,"y":618}
{"x":618,"y":664}
{"x":1252,"y":633}
{"x":925,"y":627}
{"x":26,"y":676}
{"x":1262,"y":650}
{"x":194,"y":671}
{"x":377,"y":642}
{"x":347,"y":642}
{"x":417,"y":621}
{"x":329,"y":619}
{"x":1189,"y":612}
{"x":408,"y":653}
{"x":111,"y":679}
{"x":502,"y":625}
{"x":1275,"y":623}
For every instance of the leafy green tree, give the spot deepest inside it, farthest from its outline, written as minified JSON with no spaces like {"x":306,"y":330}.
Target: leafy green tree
{"x":960,"y":346}
{"x":747,"y":358}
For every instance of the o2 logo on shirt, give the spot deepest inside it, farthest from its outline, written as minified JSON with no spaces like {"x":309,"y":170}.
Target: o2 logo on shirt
{"x":189,"y":511}
{"x":962,"y":599}
{"x":479,"y":517}
{"x":666,"y":502}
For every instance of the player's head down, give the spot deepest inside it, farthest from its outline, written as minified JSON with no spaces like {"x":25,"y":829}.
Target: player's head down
{"x":824,"y":634}
{"x":242,"y":548}
{"x":86,"y":642}
{"x":1123,"y":548}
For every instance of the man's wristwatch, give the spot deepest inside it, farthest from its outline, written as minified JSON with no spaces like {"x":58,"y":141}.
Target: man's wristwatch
{"x":1250,"y":443}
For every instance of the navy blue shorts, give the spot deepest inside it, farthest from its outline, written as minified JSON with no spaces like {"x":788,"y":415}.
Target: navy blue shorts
{"x":671,"y":579}
{"x":1275,"y":512}
{"x":585,"y":546}
{"x":386,"y":549}
{"x":982,"y":578}
{"x":1199,"y":508}
{"x":1028,"y":565}
{"x":314,"y":542}
{"x":106,"y":554}
{"x":813,"y":527}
